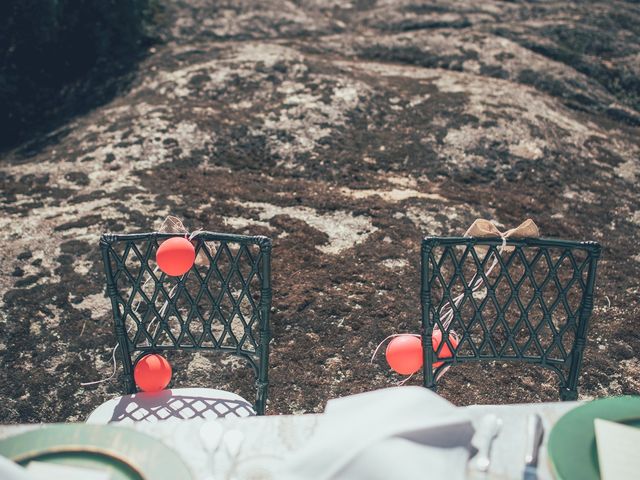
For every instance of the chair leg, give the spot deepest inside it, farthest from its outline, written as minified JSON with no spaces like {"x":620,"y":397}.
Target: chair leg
{"x":433,"y":386}
{"x":261,"y":398}
{"x":129,"y":384}
{"x":568,"y":394}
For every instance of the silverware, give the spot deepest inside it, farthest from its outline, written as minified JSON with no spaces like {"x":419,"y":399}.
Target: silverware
{"x":211,"y":433}
{"x":489,"y":428}
{"x":232,"y":441}
{"x":535,"y":433}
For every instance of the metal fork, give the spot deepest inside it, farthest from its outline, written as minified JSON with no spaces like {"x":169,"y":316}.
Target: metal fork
{"x":489,"y":428}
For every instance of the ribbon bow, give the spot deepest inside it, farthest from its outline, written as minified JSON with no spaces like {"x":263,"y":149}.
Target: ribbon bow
{"x":485,"y":229}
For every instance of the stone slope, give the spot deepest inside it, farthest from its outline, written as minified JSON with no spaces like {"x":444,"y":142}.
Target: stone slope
{"x":345,"y":132}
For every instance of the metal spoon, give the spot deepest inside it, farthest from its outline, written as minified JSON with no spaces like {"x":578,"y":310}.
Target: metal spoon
{"x":210,"y":434}
{"x":535,"y":433}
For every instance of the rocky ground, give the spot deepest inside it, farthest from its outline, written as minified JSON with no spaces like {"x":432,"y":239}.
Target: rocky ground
{"x":345,"y":131}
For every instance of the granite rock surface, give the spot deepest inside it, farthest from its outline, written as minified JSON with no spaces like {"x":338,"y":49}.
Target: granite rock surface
{"x":345,"y":131}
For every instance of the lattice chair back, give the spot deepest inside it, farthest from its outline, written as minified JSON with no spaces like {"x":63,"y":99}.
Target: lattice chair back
{"x":533,"y":306}
{"x":221,"y":304}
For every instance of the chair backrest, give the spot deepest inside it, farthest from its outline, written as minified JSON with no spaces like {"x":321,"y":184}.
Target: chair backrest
{"x":221,"y":304}
{"x":534,"y":305}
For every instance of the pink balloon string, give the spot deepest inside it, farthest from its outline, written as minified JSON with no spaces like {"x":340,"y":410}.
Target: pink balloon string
{"x":389,"y":337}
{"x":447,"y":310}
{"x":173,"y":225}
{"x":453,"y":334}
{"x":405,"y":380}
{"x":447,"y":317}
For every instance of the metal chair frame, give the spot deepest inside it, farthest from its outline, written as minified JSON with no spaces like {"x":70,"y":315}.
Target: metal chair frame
{"x":254,"y":349}
{"x":562,"y":347}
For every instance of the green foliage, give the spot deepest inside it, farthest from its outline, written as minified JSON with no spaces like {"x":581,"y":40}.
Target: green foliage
{"x":56,"y":55}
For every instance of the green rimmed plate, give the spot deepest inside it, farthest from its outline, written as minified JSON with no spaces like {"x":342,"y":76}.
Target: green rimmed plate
{"x":572,"y":441}
{"x":123,"y":452}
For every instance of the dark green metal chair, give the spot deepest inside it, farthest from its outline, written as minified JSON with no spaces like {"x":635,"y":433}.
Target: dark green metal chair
{"x":534,"y":306}
{"x":221,"y":305}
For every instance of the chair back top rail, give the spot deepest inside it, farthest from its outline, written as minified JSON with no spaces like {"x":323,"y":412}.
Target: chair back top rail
{"x":202,"y":235}
{"x":591,"y":246}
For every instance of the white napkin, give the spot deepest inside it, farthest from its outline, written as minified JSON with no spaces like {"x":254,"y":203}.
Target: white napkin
{"x":617,"y":446}
{"x":402,"y":432}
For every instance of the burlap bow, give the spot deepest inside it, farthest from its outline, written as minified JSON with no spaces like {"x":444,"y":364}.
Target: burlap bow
{"x":173,"y":224}
{"x":485,"y":229}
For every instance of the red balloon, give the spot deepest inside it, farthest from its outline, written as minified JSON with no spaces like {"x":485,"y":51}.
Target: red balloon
{"x":436,"y":338}
{"x":175,"y":256}
{"x":404,"y":354}
{"x":152,"y":373}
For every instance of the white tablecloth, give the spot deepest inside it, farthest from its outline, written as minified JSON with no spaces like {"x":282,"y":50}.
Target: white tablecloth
{"x":264,"y":442}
